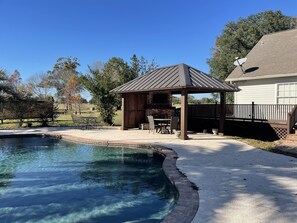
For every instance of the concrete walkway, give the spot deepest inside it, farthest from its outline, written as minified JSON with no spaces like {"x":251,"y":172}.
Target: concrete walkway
{"x":237,"y":183}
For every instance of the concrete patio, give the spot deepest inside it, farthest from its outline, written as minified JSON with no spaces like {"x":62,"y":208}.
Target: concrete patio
{"x":237,"y":183}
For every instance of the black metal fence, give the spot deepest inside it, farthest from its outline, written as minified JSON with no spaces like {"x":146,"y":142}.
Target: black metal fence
{"x":252,"y":112}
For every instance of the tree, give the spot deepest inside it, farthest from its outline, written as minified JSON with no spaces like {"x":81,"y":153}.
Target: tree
{"x":176,"y":100}
{"x":104,"y":77}
{"x":21,"y":89}
{"x":192,"y":100}
{"x":99,"y":83}
{"x":238,"y":38}
{"x":71,"y":91}
{"x":39,"y":85}
{"x":207,"y":101}
{"x":141,"y":66}
{"x":64,"y":77}
{"x":118,"y":70}
{"x":7,"y":91}
{"x":135,"y":65}
{"x":18,"y":102}
{"x":101,"y":79}
{"x":15,"y":79}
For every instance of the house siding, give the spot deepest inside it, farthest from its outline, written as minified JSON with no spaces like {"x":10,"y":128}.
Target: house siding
{"x":261,"y":91}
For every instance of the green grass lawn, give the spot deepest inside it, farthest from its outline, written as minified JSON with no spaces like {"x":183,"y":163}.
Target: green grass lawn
{"x":66,"y":120}
{"x":60,"y":120}
{"x":265,"y":145}
{"x":118,"y":118}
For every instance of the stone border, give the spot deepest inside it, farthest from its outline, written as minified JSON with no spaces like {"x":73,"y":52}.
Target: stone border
{"x":187,"y":204}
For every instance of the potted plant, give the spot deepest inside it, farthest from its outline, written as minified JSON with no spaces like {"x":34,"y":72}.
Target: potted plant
{"x":215,"y":131}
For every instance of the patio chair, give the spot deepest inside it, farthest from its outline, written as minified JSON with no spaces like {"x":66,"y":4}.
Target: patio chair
{"x":152,"y":125}
{"x":173,"y":124}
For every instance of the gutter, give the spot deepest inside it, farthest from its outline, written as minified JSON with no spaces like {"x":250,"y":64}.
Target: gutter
{"x":270,"y":76}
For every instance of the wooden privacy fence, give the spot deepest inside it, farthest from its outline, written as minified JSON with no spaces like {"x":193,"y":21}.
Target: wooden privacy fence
{"x":251,"y":112}
{"x":26,"y":110}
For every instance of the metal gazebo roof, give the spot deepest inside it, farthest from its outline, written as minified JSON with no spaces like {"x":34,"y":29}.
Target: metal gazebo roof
{"x":176,"y":78}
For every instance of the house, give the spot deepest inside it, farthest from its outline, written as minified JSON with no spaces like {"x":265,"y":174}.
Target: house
{"x":270,"y":71}
{"x":268,"y":82}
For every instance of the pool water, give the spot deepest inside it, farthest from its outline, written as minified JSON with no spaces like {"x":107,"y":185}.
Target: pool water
{"x":51,"y":180}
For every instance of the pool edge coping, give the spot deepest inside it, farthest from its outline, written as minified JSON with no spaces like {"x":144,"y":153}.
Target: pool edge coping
{"x":187,"y":203}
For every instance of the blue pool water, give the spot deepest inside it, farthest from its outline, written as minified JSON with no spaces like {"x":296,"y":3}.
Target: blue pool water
{"x":51,"y":180}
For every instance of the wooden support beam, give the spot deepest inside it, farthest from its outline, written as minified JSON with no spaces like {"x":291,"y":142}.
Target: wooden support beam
{"x":184,"y":116}
{"x":124,"y":115}
{"x":222,"y":112}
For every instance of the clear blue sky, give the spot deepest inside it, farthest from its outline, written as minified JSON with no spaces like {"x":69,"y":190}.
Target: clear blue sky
{"x":34,"y":33}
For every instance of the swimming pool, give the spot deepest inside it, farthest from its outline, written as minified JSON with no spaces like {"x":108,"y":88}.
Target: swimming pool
{"x":51,"y":180}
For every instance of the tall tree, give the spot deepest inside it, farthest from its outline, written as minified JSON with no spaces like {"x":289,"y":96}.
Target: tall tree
{"x":39,"y":85}
{"x":7,"y":90}
{"x":101,"y":79}
{"x":63,"y":77}
{"x":238,"y":38}
{"x":72,"y":92}
{"x":20,"y":88}
{"x":142,"y":66}
{"x":118,"y":70}
{"x":99,"y":84}
{"x":15,"y":79}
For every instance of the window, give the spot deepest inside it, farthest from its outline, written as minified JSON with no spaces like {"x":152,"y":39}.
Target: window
{"x":287,"y":93}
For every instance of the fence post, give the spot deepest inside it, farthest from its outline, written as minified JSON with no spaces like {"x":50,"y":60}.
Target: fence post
{"x":215,"y":111}
{"x":253,"y":111}
{"x":222,"y":112}
{"x":1,"y":110}
{"x":289,"y":124}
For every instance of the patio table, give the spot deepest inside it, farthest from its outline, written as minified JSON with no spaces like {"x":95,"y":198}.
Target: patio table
{"x":88,"y":120}
{"x":163,"y":122}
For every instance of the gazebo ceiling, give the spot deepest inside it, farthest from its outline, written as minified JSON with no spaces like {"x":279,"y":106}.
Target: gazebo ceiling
{"x":175,"y":78}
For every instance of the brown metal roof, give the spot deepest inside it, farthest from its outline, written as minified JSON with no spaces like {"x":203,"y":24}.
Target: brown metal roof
{"x":176,"y":78}
{"x":275,"y":55}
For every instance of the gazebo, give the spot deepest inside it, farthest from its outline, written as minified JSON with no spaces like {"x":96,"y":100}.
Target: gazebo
{"x":152,"y":93}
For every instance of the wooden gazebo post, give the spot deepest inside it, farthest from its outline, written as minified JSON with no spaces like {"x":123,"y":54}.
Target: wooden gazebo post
{"x":184,"y":115}
{"x":124,"y":113}
{"x":222,"y":112}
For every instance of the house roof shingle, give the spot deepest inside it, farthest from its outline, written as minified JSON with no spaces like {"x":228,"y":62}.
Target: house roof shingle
{"x":175,"y":78}
{"x":275,"y":55}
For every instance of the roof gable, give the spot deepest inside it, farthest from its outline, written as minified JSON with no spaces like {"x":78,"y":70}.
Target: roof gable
{"x":275,"y":55}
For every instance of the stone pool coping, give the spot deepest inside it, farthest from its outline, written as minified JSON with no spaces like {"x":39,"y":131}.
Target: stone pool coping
{"x":187,"y":203}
